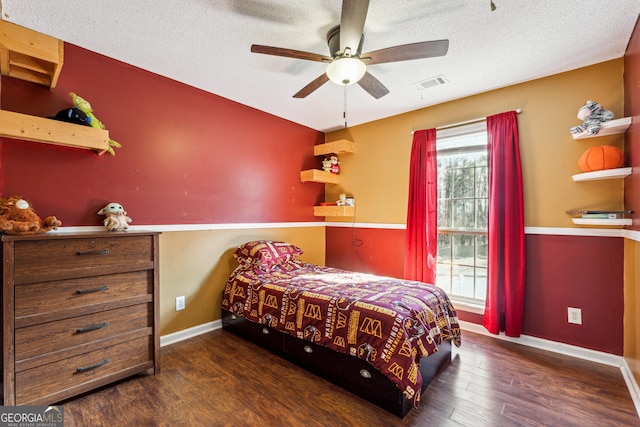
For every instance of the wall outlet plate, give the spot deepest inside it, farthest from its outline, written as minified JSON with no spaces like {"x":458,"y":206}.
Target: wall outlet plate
{"x":574,"y":315}
{"x":180,"y":303}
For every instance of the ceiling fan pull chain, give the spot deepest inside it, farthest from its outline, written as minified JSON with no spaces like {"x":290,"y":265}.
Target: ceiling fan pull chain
{"x":344,"y":110}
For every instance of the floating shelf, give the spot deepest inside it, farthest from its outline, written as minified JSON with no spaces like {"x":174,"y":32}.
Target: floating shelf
{"x":48,"y":131}
{"x":334,"y":210}
{"x":604,"y":221}
{"x":317,"y":175}
{"x":29,"y":55}
{"x":337,"y":147}
{"x":603,"y":174}
{"x":612,"y":127}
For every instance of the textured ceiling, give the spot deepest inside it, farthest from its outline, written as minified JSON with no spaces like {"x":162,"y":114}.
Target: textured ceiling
{"x":206,"y":44}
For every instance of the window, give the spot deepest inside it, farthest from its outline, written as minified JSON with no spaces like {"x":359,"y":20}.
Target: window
{"x":463,"y":187}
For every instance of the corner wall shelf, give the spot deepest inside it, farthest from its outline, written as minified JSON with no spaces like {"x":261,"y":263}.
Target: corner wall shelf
{"x":48,"y":131}
{"x":592,"y":221}
{"x":337,"y":147}
{"x":316,"y":175}
{"x":603,"y":174}
{"x":334,"y":210}
{"x":612,"y":127}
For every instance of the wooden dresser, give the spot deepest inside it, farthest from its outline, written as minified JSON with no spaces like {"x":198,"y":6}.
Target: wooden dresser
{"x":79,"y":310}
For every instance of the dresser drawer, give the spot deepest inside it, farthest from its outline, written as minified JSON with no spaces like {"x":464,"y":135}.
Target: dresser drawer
{"x":55,"y":381}
{"x":49,"y":301}
{"x":70,"y":336}
{"x":64,"y":256}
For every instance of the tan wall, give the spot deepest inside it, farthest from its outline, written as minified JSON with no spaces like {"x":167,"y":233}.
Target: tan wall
{"x":378,"y":173}
{"x":196,"y":264}
{"x":632,"y":306}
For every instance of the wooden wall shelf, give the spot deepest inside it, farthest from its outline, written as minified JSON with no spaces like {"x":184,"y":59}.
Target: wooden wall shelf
{"x":317,"y":175}
{"x":334,"y":210}
{"x":337,"y":147}
{"x":38,"y":58}
{"x":29,"y":55}
{"x":48,"y":131}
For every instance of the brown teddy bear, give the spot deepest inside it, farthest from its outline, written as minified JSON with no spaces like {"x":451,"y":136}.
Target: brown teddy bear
{"x":18,"y":217}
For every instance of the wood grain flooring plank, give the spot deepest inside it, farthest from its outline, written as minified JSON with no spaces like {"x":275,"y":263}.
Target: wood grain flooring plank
{"x":218,"y":379}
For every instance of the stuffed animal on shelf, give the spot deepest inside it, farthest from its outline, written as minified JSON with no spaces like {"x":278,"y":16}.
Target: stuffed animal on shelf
{"x":85,"y":107}
{"x":116,"y":217}
{"x":331,"y":164}
{"x":72,"y":115}
{"x":18,"y":217}
{"x":593,"y":115}
{"x":601,"y":157}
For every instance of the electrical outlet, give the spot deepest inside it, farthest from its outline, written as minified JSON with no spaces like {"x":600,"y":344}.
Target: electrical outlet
{"x":180,"y":303}
{"x":575,"y":315}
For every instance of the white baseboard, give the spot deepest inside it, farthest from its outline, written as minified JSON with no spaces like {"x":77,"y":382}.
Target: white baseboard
{"x":189,"y":333}
{"x":632,"y":385}
{"x":556,"y":347}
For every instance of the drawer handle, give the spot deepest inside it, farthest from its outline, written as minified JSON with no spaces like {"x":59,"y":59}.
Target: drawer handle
{"x":234,"y":317}
{"x":88,"y":368}
{"x":365,"y":374}
{"x":265,"y":331}
{"x":88,"y":291}
{"x":92,"y":328}
{"x":102,"y":252}
{"x":308,"y":349}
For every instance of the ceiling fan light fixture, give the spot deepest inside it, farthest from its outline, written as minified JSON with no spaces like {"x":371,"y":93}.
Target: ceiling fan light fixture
{"x":346,"y":70}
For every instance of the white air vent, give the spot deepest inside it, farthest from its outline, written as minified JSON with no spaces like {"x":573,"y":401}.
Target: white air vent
{"x":434,"y":81}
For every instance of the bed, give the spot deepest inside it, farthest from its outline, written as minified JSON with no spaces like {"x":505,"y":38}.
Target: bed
{"x":381,"y":338}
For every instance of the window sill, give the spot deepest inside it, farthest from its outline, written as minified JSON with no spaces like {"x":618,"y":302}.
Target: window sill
{"x":468,"y":307}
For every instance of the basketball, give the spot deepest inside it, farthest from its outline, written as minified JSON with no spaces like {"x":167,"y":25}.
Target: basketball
{"x":601,"y":157}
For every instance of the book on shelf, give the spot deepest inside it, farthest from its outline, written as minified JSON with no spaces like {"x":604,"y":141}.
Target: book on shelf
{"x":602,"y":216}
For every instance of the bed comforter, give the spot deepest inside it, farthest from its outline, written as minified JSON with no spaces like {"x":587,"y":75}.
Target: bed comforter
{"x":389,"y":322}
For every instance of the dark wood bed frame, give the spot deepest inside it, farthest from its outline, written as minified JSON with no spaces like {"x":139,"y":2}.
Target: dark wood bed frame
{"x":351,"y":373}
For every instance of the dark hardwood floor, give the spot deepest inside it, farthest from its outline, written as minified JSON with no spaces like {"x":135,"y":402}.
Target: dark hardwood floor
{"x":218,"y":379}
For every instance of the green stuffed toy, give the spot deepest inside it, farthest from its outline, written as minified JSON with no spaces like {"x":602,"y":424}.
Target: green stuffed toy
{"x":85,"y":107}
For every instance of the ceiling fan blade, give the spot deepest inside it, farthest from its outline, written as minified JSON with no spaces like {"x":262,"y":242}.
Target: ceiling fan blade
{"x":354,"y":13}
{"x":406,"y":52}
{"x":373,"y":86}
{"x":289,"y":53}
{"x":315,"y":84}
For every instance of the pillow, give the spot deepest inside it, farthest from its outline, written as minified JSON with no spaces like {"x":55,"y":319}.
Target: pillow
{"x":266,"y":253}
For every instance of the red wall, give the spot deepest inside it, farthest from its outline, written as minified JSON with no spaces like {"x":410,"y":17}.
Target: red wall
{"x":368,"y":250}
{"x":188,"y":156}
{"x":561,"y":272}
{"x":632,"y":137}
{"x":581,"y":272}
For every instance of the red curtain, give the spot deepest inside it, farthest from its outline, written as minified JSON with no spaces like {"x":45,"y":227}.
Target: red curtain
{"x":506,"y":247}
{"x":422,"y":221}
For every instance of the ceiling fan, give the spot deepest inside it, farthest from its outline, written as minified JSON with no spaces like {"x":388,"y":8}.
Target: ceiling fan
{"x":347,"y":65}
